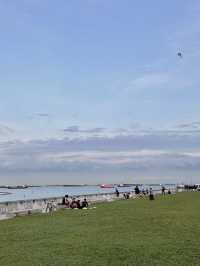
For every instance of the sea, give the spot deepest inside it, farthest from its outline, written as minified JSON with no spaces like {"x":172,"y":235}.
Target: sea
{"x":42,"y":192}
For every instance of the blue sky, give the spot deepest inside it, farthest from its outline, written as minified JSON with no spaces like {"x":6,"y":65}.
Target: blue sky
{"x":75,"y":75}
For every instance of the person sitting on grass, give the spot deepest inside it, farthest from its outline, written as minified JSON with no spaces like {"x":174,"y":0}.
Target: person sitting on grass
{"x":73,"y":204}
{"x":78,"y":204}
{"x":127,"y":195}
{"x":169,"y":192}
{"x":65,"y":201}
{"x":84,"y":204}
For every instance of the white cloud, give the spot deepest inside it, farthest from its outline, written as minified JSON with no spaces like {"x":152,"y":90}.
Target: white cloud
{"x":6,"y":130}
{"x":77,"y":129}
{"x":134,"y":150}
{"x":150,"y":81}
{"x":152,"y":150}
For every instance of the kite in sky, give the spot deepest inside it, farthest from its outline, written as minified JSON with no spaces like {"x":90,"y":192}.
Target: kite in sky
{"x":179,"y":54}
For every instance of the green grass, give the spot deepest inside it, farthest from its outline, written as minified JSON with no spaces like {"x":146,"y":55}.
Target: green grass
{"x":134,"y":232}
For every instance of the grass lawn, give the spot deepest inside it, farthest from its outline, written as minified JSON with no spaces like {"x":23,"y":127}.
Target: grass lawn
{"x":133,"y":232}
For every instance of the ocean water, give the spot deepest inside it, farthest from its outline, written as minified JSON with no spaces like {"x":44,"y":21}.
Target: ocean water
{"x":60,"y":191}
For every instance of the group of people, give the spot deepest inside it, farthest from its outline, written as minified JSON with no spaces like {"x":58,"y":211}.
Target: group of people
{"x":74,"y":203}
{"x":139,"y":192}
{"x":127,"y":195}
{"x":50,"y":207}
{"x":143,"y":192}
{"x":164,"y":189}
{"x":77,"y":204}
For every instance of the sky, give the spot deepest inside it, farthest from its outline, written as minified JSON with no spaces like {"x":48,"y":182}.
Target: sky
{"x":93,"y":91}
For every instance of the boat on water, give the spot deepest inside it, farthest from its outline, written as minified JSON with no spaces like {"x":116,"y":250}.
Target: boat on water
{"x":125,"y":185}
{"x":107,"y":186}
{"x":17,"y":187}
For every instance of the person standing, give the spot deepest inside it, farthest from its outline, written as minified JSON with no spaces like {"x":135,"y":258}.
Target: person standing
{"x":117,"y":192}
{"x":151,"y":195}
{"x":163,"y":190}
{"x":137,"y":190}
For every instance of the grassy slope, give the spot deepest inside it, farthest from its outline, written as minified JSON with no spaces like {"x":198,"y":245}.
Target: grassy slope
{"x":135,"y":232}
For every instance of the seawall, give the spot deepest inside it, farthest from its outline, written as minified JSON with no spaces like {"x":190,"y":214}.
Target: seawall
{"x":14,"y":208}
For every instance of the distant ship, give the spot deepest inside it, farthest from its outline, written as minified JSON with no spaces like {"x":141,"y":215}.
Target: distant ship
{"x":125,"y":185}
{"x":106,"y":186}
{"x":17,"y":187}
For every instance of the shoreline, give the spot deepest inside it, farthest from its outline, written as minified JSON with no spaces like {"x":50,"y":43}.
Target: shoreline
{"x":28,"y":195}
{"x":39,"y":193}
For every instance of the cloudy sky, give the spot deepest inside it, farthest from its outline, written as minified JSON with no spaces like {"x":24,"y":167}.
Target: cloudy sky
{"x":93,"y":91}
